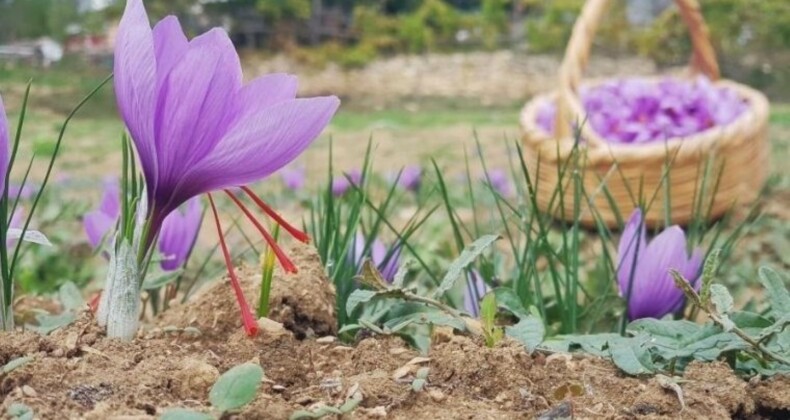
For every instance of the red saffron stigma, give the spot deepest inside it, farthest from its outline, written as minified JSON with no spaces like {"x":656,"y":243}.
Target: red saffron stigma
{"x":296,"y":233}
{"x":250,"y":325}
{"x":285,"y":262}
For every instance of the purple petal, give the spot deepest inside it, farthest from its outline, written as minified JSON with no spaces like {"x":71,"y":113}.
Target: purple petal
{"x":97,"y":224}
{"x":632,"y":241}
{"x":266,"y":91}
{"x":111,"y":199}
{"x":170,"y":45}
{"x":655,"y":293}
{"x":410,"y":177}
{"x":475,"y":289}
{"x":194,"y":108}
{"x":389,"y":266}
{"x":179,"y":233}
{"x":259,"y":145}
{"x":135,"y":84}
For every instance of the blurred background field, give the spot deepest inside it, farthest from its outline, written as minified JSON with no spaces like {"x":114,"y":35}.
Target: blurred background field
{"x":420,"y":79}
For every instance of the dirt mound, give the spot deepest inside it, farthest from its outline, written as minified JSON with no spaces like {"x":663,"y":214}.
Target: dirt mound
{"x":78,"y":373}
{"x":304,"y":302}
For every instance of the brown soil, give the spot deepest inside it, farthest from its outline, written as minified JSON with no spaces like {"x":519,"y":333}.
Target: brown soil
{"x":78,"y":373}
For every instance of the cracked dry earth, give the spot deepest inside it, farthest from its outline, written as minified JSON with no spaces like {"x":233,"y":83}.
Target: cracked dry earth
{"x":78,"y":373}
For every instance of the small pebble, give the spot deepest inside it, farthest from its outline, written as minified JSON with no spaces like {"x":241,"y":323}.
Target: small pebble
{"x":376,"y":412}
{"x":278,"y":388}
{"x":436,"y":395}
{"x":326,"y":340}
{"x":28,"y":391}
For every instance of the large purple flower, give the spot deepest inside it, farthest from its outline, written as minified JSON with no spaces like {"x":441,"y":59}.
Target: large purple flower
{"x":385,"y":260}
{"x":197,"y":128}
{"x":645,"y":266}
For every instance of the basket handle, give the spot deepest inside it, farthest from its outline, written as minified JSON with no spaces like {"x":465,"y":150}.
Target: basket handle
{"x":703,"y":59}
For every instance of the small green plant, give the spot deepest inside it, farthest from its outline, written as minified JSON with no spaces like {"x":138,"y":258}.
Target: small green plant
{"x":488,"y":309}
{"x":233,"y":390}
{"x":351,"y":403}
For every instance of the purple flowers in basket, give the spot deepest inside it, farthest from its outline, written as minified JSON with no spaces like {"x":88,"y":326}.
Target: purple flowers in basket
{"x":641,"y":110}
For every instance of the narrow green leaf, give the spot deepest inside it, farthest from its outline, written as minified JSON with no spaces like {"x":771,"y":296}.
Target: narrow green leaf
{"x":488,"y":309}
{"x":236,"y":387}
{"x":184,"y":414}
{"x":530,"y":332}
{"x":457,"y":267}
{"x":776,"y":290}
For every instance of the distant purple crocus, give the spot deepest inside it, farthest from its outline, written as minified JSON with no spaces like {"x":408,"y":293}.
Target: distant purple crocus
{"x":198,"y":129}
{"x":639,"y":110}
{"x":475,"y":289}
{"x":99,"y":222}
{"x":341,"y":184}
{"x":386,"y":260}
{"x":176,"y":238}
{"x":179,"y":233}
{"x":411,"y":177}
{"x":293,"y":177}
{"x":646,"y":267}
{"x":500,"y":182}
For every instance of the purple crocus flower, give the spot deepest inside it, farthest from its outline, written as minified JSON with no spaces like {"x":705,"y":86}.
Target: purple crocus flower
{"x":386,"y":260}
{"x":341,"y":184}
{"x":646,"y":267}
{"x":411,"y":178}
{"x":178,"y":235}
{"x":475,"y":289}
{"x":198,"y":129}
{"x":293,"y":177}
{"x":99,"y":222}
{"x":176,"y":238}
{"x":500,"y":182}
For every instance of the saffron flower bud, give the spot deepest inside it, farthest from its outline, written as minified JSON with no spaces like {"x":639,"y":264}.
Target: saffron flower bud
{"x":643,"y":269}
{"x":475,"y":289}
{"x":386,"y":260}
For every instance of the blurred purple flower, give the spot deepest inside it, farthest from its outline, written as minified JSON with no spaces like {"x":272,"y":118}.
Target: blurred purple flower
{"x":179,"y":233}
{"x":654,"y":293}
{"x":475,"y":289}
{"x":198,"y":129}
{"x":99,"y":222}
{"x":176,"y":239}
{"x":639,"y":110}
{"x":341,"y":184}
{"x":293,"y":177}
{"x":386,"y":260}
{"x":500,"y":182}
{"x":411,"y":177}
{"x":25,"y":192}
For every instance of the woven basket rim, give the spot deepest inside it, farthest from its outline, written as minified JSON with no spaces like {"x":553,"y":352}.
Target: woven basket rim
{"x":691,"y":147}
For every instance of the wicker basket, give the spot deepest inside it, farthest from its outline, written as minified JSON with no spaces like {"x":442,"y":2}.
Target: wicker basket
{"x":612,"y":175}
